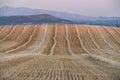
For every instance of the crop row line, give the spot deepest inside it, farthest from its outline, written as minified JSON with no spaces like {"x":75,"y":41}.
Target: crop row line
{"x":112,"y":36}
{"x":67,"y":40}
{"x":97,"y":47}
{"x":54,"y":40}
{"x":30,"y":38}
{"x":104,"y":39}
{"x":5,"y":32}
{"x":43,"y":39}
{"x":9,"y":33}
{"x":21,"y":33}
{"x":80,"y":40}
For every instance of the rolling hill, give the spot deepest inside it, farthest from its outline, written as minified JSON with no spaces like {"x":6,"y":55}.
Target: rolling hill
{"x":59,"y":52}
{"x":32,"y":19}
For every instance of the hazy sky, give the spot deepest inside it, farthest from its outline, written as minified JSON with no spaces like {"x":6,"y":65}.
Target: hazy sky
{"x":83,"y":7}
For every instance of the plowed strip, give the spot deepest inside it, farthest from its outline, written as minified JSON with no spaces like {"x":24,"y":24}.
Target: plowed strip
{"x":34,"y":46}
{"x":22,"y":38}
{"x":91,"y":40}
{"x":94,"y":39}
{"x":5,"y":32}
{"x":118,"y":33}
{"x":83,"y":35}
{"x":115,"y":35}
{"x":18,"y":37}
{"x":104,"y":40}
{"x":49,"y":39}
{"x":68,"y":41}
{"x":9,"y":33}
{"x":54,"y":40}
{"x":15,"y":33}
{"x":83,"y":38}
{"x":41,"y":39}
{"x":97,"y":38}
{"x":1,"y":27}
{"x":74,"y":42}
{"x":80,"y":40}
{"x":109,"y":38}
{"x":61,"y":46}
{"x":30,"y":41}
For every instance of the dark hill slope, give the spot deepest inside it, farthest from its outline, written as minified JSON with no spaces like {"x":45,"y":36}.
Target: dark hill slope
{"x":32,"y":19}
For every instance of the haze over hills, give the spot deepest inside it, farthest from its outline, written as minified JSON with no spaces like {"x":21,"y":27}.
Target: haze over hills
{"x":10,"y":11}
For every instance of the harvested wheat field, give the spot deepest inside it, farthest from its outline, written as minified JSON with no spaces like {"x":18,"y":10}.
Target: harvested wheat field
{"x":59,"y":52}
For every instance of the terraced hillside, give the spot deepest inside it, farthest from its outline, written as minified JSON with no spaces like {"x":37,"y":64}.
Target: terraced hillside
{"x":59,"y":52}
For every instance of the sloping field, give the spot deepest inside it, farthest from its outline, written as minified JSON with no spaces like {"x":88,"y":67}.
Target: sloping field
{"x":59,"y":52}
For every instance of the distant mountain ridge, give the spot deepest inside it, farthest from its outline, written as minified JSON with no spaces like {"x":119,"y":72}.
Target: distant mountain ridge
{"x":31,"y":19}
{"x":10,"y":11}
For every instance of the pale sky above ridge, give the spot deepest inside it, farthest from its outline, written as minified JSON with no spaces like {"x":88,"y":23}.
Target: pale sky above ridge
{"x":108,"y":8}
